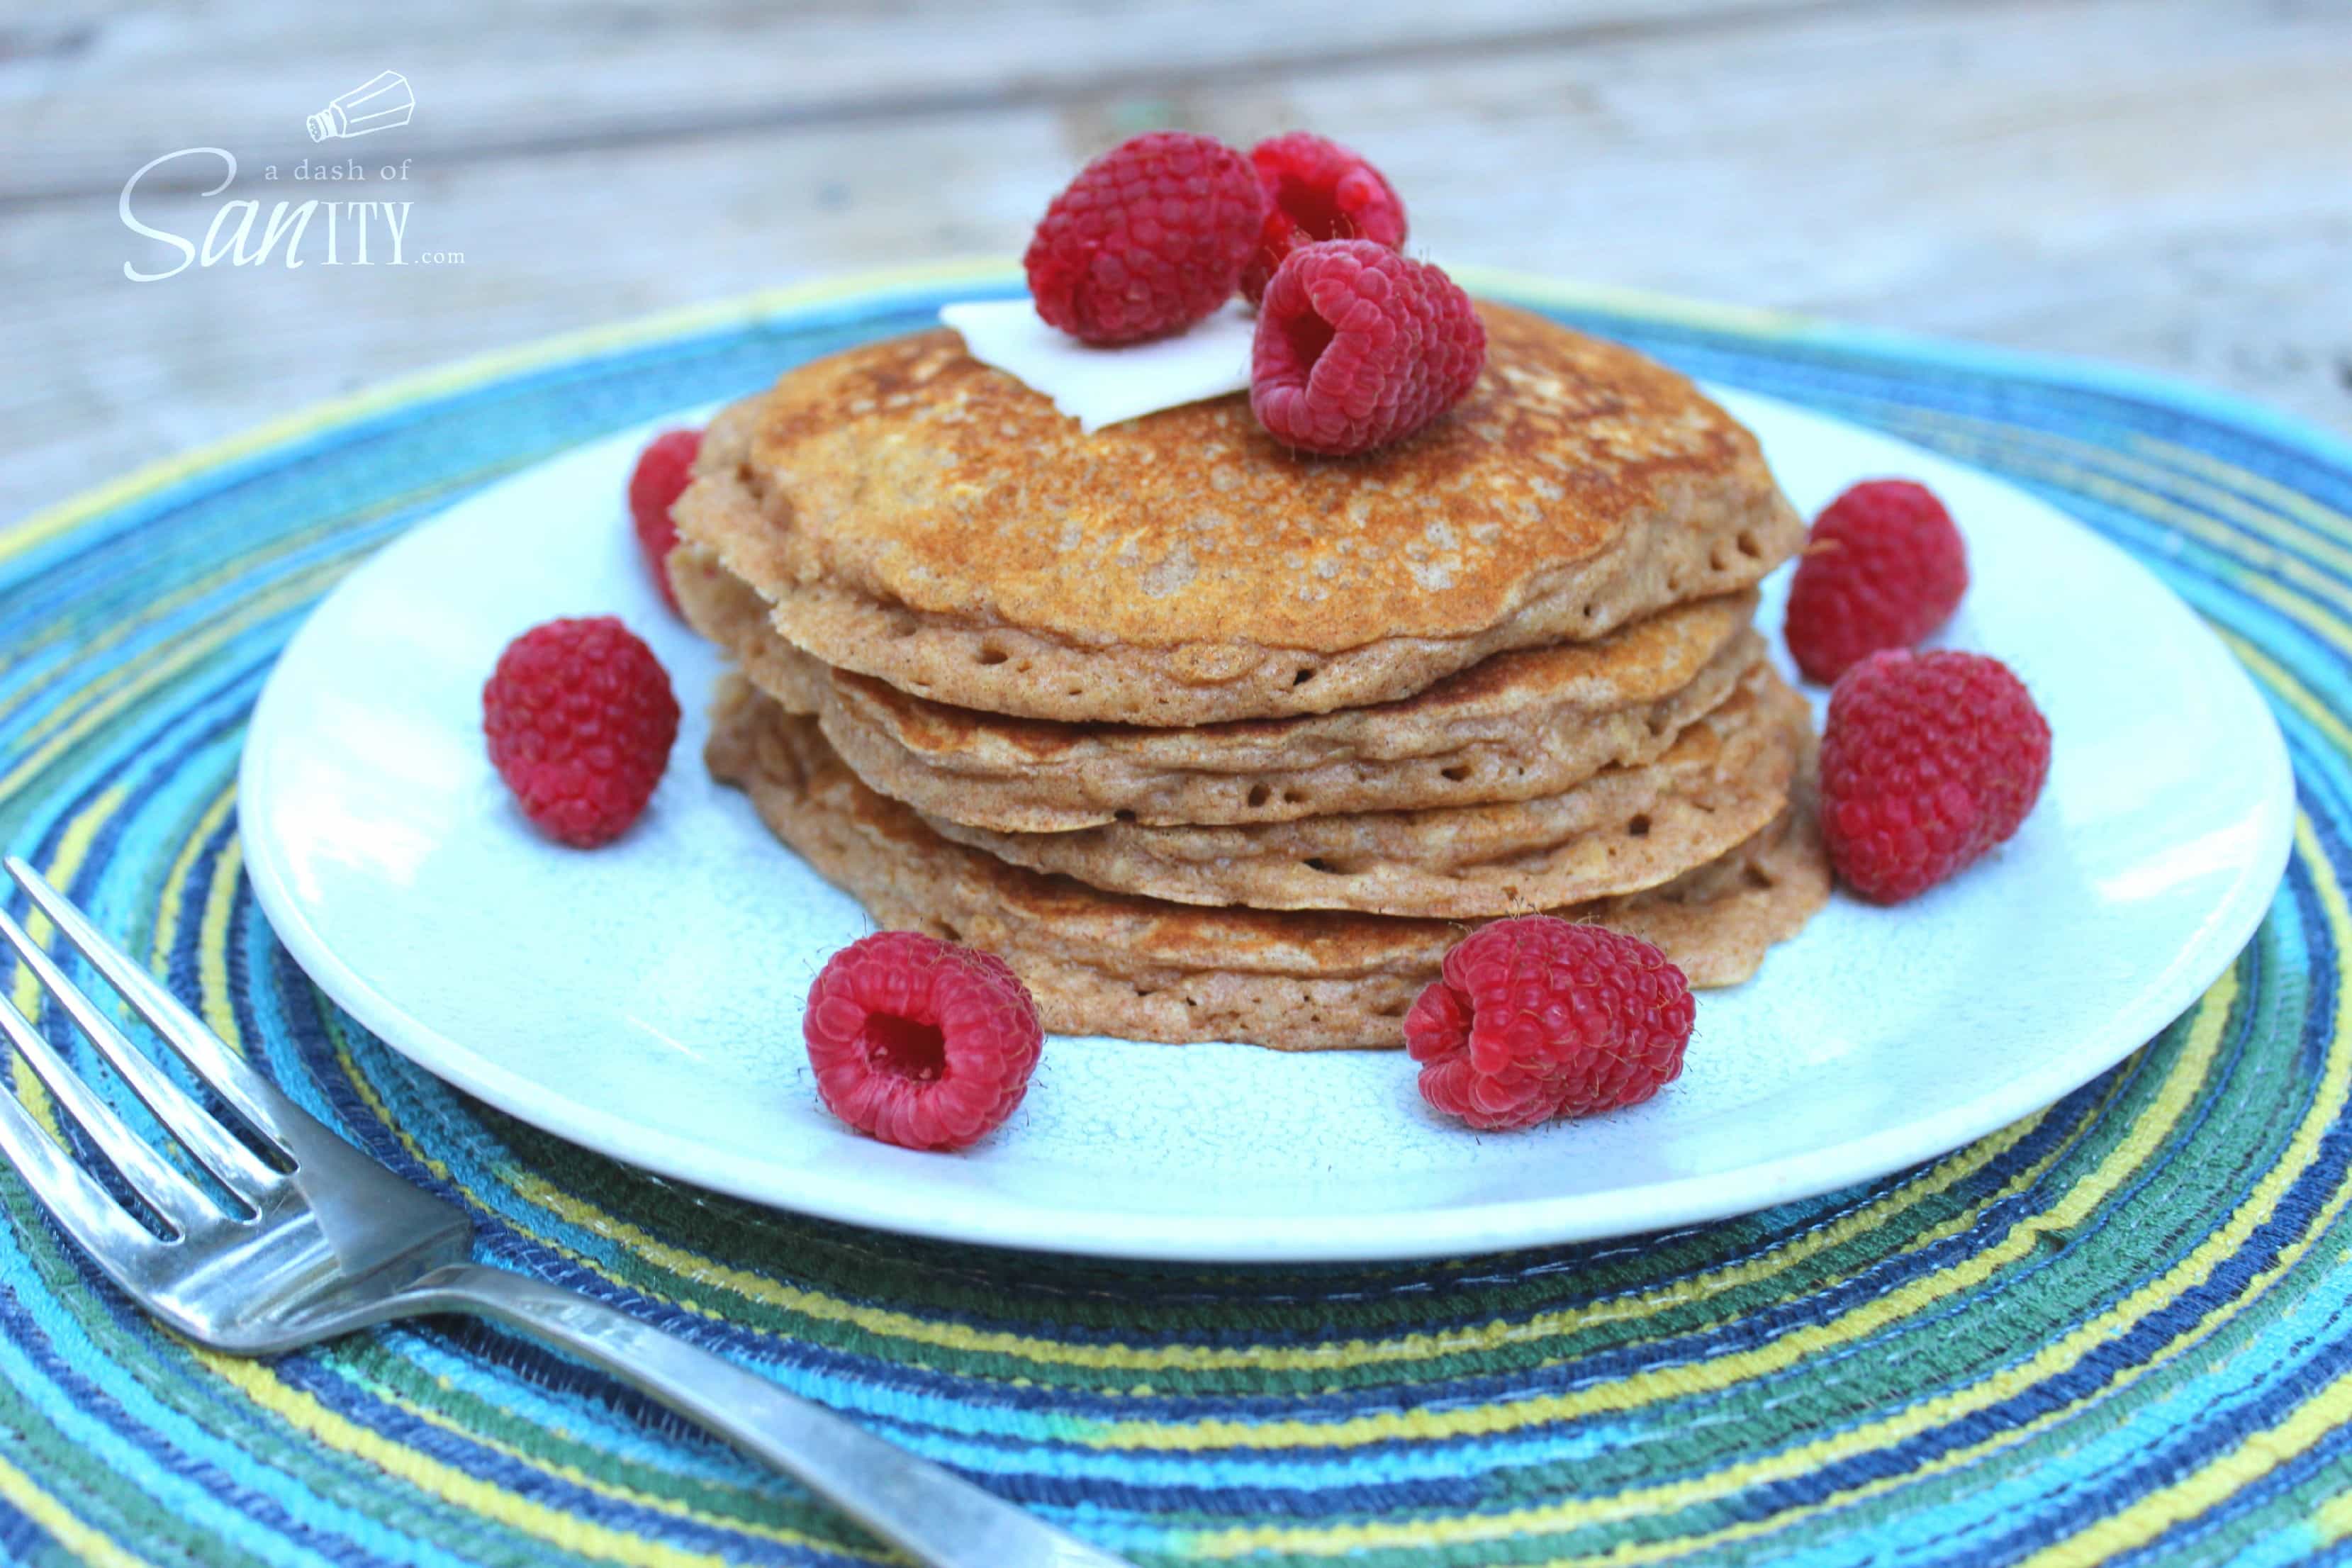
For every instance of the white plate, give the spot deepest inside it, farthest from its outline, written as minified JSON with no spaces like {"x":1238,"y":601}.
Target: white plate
{"x":644,"y":999}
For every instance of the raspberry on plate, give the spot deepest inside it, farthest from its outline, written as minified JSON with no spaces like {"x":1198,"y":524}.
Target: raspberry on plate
{"x":1929,"y":759}
{"x":580,"y":719}
{"x":1150,"y":238}
{"x":920,"y":1042}
{"x":1315,"y":189}
{"x":1535,"y":1016}
{"x":663,"y":470}
{"x":1883,"y":568}
{"x":1357,"y":347}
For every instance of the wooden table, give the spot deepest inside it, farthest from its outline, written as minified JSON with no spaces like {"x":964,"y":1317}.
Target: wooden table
{"x":2166,"y":182}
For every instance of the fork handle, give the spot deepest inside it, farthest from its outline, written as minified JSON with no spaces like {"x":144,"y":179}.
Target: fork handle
{"x":940,"y":1520}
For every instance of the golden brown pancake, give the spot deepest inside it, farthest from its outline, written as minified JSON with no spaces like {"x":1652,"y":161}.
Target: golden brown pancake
{"x":1514,"y":727}
{"x":1617,"y":832}
{"x":1143,"y":969}
{"x":913,"y":515}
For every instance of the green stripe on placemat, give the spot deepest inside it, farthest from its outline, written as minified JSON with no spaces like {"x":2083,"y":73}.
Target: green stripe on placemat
{"x":2119,"y":1329}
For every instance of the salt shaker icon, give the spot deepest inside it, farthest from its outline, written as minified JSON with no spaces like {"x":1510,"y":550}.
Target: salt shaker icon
{"x":383,"y":103}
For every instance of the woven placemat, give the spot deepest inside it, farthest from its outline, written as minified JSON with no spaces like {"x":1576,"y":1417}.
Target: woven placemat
{"x":2116,"y":1329}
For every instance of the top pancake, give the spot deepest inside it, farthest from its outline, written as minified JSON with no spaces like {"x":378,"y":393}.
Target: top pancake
{"x":916,"y":516}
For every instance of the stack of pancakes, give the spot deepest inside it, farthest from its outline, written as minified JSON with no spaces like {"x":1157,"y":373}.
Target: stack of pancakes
{"x":1210,"y":740}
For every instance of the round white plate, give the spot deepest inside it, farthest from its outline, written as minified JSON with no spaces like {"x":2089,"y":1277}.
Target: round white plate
{"x":644,"y":999}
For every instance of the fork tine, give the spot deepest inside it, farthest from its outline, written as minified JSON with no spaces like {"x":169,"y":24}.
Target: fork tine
{"x":89,"y":1213}
{"x":230,"y":1162}
{"x":166,"y":1190}
{"x":254,"y":1096}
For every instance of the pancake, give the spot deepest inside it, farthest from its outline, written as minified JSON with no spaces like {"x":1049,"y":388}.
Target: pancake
{"x":912,"y":514}
{"x":1618,"y":832}
{"x":1515,"y":727}
{"x":1140,"y":968}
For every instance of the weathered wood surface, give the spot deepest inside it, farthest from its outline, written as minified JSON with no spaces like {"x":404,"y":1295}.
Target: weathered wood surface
{"x":2166,"y":182}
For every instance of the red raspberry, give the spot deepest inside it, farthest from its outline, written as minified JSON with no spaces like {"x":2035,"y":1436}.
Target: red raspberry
{"x":1357,"y":347}
{"x":1883,"y":568}
{"x":920,"y":1042}
{"x":663,"y":470}
{"x":1150,"y":238}
{"x":1316,"y":190}
{"x":580,"y":719}
{"x":1535,"y":1017}
{"x":1929,"y":759}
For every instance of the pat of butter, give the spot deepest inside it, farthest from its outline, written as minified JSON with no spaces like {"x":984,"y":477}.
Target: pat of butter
{"x":1102,"y":386}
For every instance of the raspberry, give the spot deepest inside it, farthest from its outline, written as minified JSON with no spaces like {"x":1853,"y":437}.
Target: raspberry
{"x":1883,"y":568}
{"x":1316,"y":190}
{"x":1535,"y":1017}
{"x":1150,"y":238}
{"x":664,"y":469}
{"x":1929,"y":759}
{"x":1357,"y":347}
{"x":580,"y":719}
{"x":920,"y":1042}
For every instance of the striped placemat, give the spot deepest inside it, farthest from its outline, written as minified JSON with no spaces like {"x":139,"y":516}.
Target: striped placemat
{"x":2118,"y":1328}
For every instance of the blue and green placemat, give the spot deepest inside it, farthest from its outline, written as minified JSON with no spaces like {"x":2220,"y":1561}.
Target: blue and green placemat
{"x":2122,"y":1328}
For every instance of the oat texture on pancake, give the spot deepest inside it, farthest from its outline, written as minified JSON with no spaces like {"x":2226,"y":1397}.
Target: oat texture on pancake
{"x":1514,"y":727}
{"x":1112,"y":963}
{"x":909,"y":513}
{"x":1620,"y":831}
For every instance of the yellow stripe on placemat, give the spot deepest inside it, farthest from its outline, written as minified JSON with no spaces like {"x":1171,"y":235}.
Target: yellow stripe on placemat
{"x":305,"y":1413}
{"x":2116,"y":476}
{"x":2079,"y":1202}
{"x":53,"y":521}
{"x":2291,"y":501}
{"x":2290,"y":690}
{"x":168,"y":905}
{"x":2295,"y":589}
{"x":2254,"y":1210}
{"x":2331,"y":1521}
{"x":383,"y":1113}
{"x":63,"y":866}
{"x":575,"y":1475}
{"x":2221,"y":1477}
{"x":132,"y":681}
{"x":73,"y":848}
{"x":63,"y":1526}
{"x":2172,"y":1099}
{"x":89,"y":646}
{"x":530,"y":1188}
{"x":2215,"y":1482}
{"x":214,"y":1002}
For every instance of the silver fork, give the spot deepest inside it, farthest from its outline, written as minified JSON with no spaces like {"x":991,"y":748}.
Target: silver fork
{"x":324,"y":1240}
